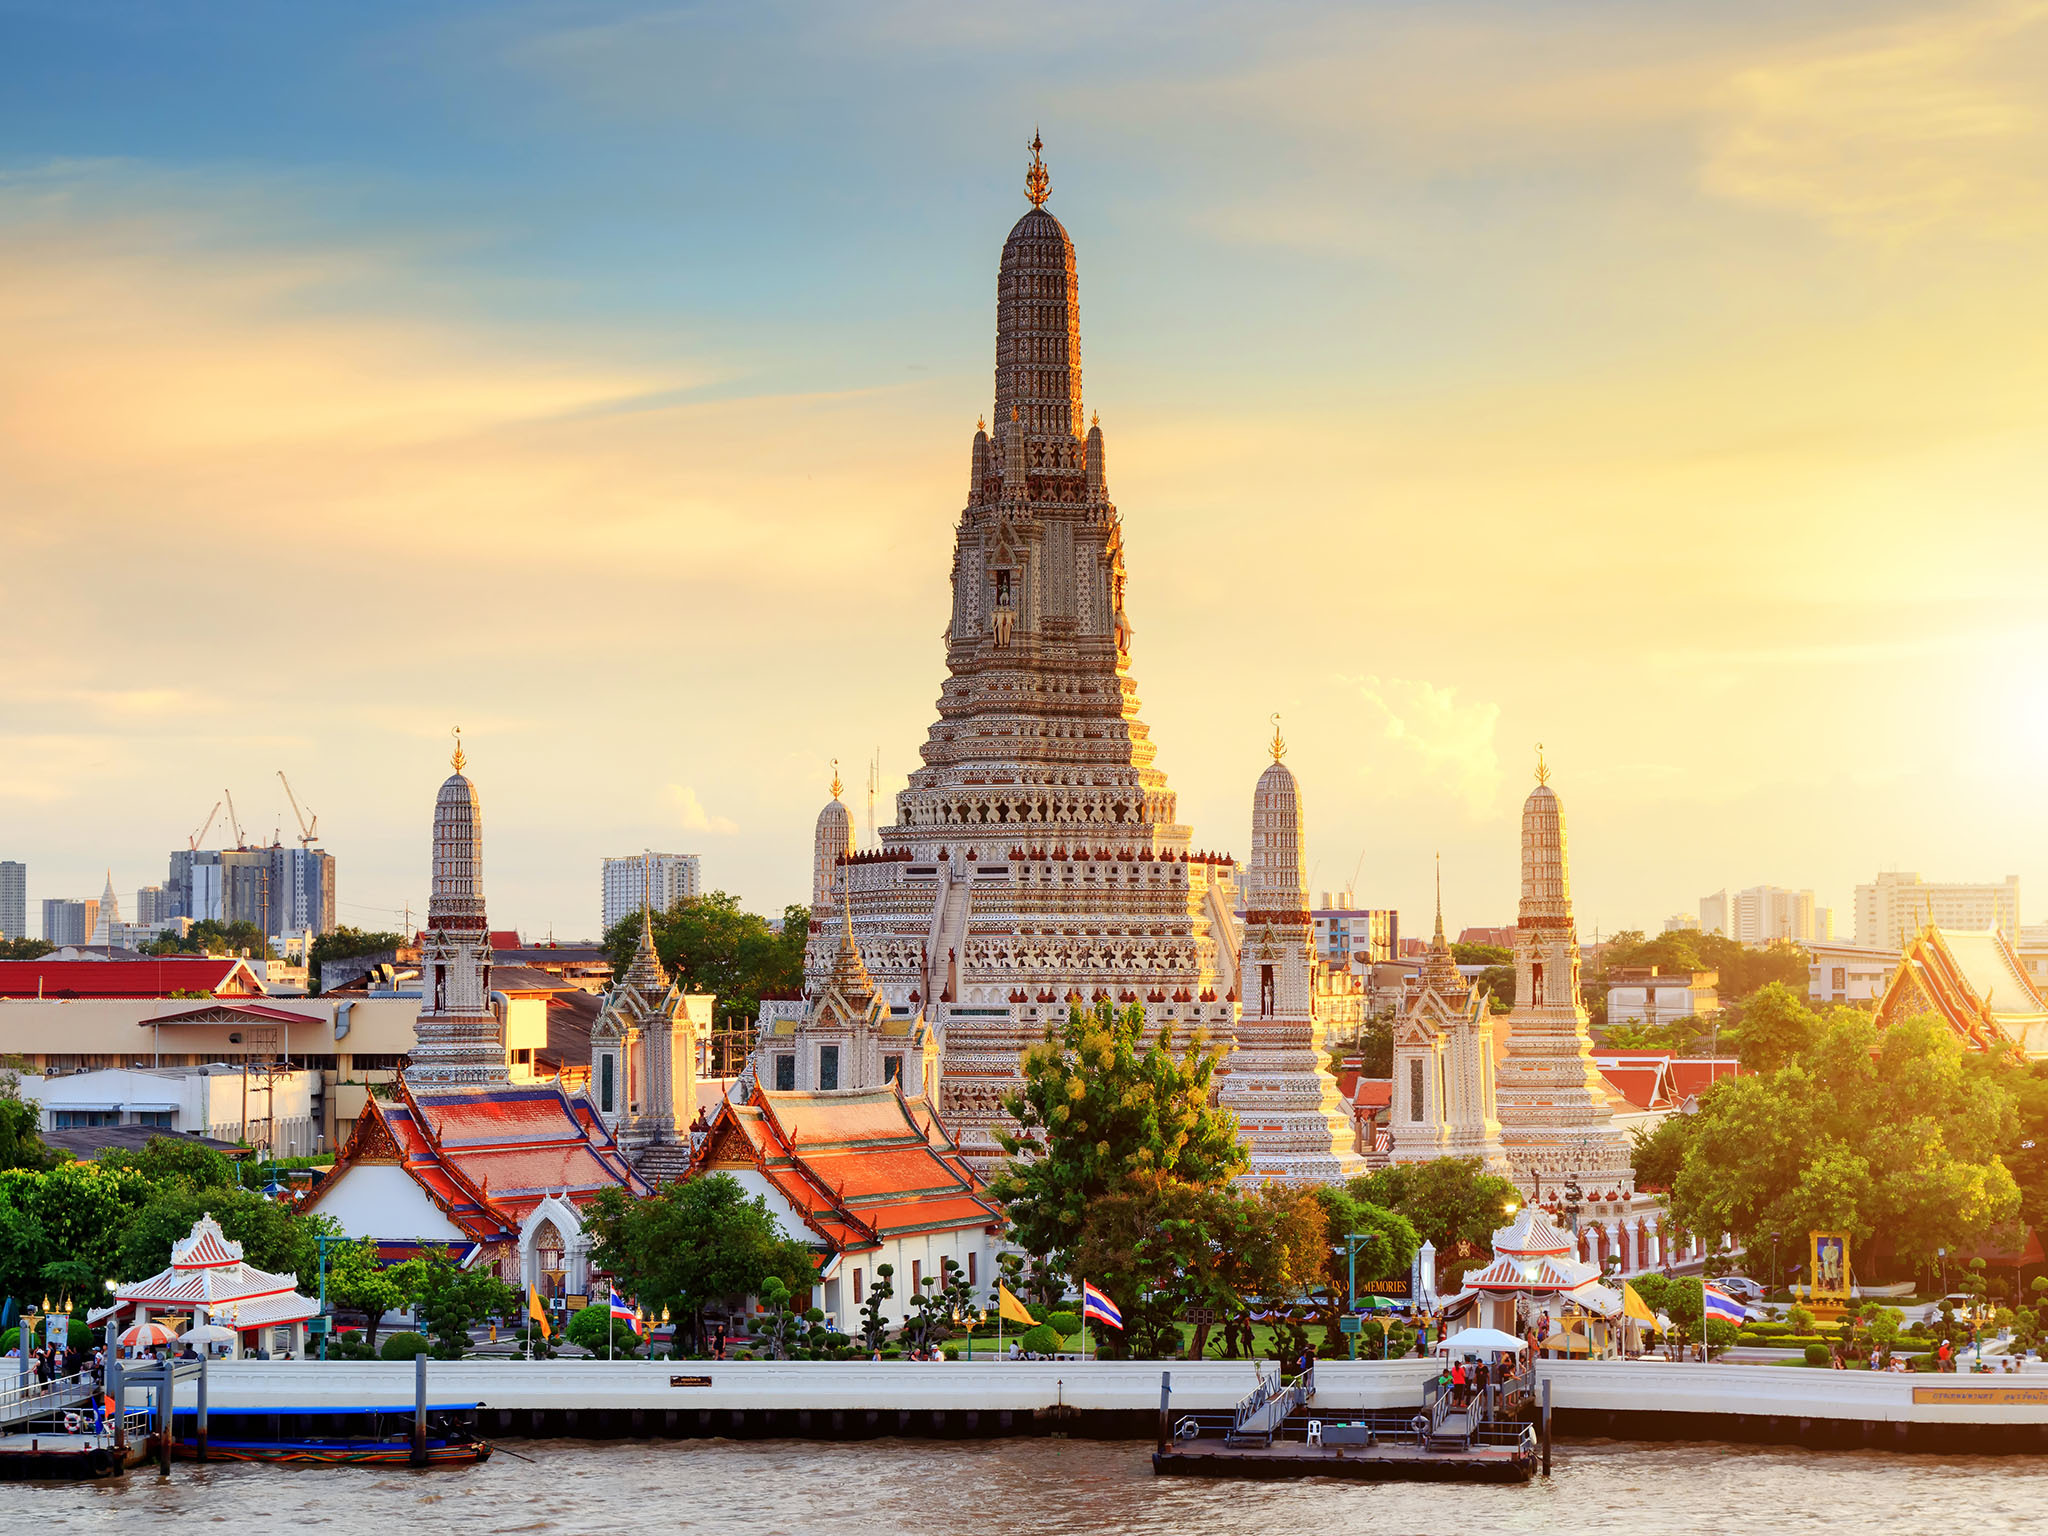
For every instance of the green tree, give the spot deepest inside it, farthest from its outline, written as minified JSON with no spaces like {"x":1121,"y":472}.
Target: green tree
{"x":874,"y":1325}
{"x":1777,"y":1029}
{"x":1482,"y":954}
{"x":24,"y":949}
{"x":1388,"y":1256}
{"x":595,"y":1329}
{"x":1897,"y":1134}
{"x":74,"y":1214}
{"x":346,"y":944}
{"x":1657,"y":1154}
{"x":273,"y":1236}
{"x":21,"y":1140}
{"x":178,"y":1161}
{"x":1450,"y":1201}
{"x":710,"y":945}
{"x":210,"y":937}
{"x":1375,"y":1046}
{"x":356,"y":1282}
{"x":693,"y":1244}
{"x":452,"y":1300}
{"x":1098,"y":1108}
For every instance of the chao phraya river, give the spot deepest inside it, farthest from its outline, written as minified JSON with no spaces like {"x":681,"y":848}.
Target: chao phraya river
{"x":1043,"y":1487}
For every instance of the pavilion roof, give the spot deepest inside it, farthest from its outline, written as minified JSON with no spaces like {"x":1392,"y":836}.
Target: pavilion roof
{"x":1974,"y":982}
{"x":207,"y":1270}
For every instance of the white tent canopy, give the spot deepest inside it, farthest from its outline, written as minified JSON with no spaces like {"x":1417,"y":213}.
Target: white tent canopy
{"x":1481,"y":1341}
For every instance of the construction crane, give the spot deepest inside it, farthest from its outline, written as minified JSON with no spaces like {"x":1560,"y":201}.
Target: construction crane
{"x":309,"y":831}
{"x":234,"y":820}
{"x":205,"y":827}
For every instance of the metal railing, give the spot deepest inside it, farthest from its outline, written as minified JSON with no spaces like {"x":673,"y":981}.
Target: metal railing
{"x":1267,"y":1406}
{"x":39,"y":1396}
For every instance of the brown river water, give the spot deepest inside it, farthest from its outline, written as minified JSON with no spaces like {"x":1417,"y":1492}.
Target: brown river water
{"x":1042,"y":1487}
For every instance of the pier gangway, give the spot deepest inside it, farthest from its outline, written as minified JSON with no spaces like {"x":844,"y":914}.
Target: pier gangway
{"x":34,"y":1399}
{"x":1269,"y":1405}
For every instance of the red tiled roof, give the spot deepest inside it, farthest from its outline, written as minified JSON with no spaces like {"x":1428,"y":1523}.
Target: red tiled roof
{"x":260,"y":1013}
{"x":1691,"y":1076}
{"x":152,"y":977}
{"x":1373,"y":1093}
{"x":1639,"y":1085}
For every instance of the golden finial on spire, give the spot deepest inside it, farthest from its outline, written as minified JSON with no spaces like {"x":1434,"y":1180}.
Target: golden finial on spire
{"x":1037,"y":180}
{"x":1279,"y":741}
{"x":1095,"y":418}
{"x":836,"y":785}
{"x":980,"y":424}
{"x":460,"y":758}
{"x":1542,"y":768}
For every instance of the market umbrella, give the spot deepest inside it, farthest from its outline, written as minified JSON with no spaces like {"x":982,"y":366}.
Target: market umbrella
{"x":208,"y":1333}
{"x":147,"y":1336}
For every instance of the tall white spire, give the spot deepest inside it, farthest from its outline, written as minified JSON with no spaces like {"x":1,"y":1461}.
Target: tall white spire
{"x":460,"y":1040}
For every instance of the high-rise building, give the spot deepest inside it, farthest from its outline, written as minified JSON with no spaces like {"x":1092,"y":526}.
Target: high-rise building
{"x":1355,"y":938}
{"x":281,"y":890}
{"x":150,"y":906}
{"x":69,"y":922}
{"x":13,"y":899}
{"x":1898,"y":904}
{"x":1762,"y":914}
{"x":657,"y":880}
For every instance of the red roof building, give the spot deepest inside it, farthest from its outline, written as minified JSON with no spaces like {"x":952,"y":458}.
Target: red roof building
{"x":867,"y":1177}
{"x":1975,"y":984}
{"x":152,"y":976}
{"x":497,"y":1173}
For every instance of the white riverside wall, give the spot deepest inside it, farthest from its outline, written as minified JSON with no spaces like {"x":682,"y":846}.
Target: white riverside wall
{"x":1619,"y":1386}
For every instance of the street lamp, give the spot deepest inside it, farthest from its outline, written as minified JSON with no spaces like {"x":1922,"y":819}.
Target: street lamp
{"x":1353,"y":1241}
{"x":1774,"y":1263}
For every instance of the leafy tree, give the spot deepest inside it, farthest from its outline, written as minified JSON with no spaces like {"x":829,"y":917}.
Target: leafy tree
{"x":21,"y":1140}
{"x":452,"y":1300}
{"x":942,"y":1299}
{"x":211,"y":937}
{"x":179,"y":1161}
{"x":1658,"y":1153}
{"x":1896,"y":1134}
{"x":1482,"y":954}
{"x":1498,"y":982}
{"x":710,"y":945}
{"x":1376,"y":1046}
{"x":24,"y":949}
{"x":1450,"y":1201}
{"x":595,"y":1329}
{"x":1097,"y":1109}
{"x":874,"y":1326}
{"x":1777,"y":1029}
{"x":75,"y":1213}
{"x":358,"y":1283}
{"x":346,"y":944}
{"x":1390,"y":1254}
{"x":693,"y":1244}
{"x":273,"y":1236}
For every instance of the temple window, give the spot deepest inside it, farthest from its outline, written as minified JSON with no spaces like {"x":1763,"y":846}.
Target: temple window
{"x":607,"y":1067}
{"x":785,"y":1073}
{"x":858,"y":1295}
{"x":828,"y":1067}
{"x":972,"y":1277}
{"x":1415,"y":1088}
{"x":892,"y":1069}
{"x":1266,"y":1001}
{"x":917,"y":1277}
{"x":1536,"y":983}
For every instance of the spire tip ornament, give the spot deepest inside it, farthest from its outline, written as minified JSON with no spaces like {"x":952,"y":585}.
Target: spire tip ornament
{"x":1542,"y":768}
{"x":1279,"y":741}
{"x":460,"y":758}
{"x":1037,"y":180}
{"x":836,"y":785}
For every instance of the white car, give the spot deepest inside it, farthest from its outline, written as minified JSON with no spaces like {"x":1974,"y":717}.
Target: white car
{"x":1742,"y":1288}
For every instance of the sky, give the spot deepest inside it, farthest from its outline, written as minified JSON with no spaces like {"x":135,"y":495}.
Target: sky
{"x":1666,"y":384}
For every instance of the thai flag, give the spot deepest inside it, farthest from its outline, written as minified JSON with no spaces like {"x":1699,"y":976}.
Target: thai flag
{"x":624,"y":1313}
{"x":1720,"y":1304}
{"x":1098,"y":1308}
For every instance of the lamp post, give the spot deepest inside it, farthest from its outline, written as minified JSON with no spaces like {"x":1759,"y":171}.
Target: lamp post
{"x":1774,"y":1263}
{"x":1353,"y":1241}
{"x":320,"y":1241}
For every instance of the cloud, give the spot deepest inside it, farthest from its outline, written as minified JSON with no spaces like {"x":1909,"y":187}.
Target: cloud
{"x":692,"y":816}
{"x":1422,"y":741}
{"x":1889,"y":133}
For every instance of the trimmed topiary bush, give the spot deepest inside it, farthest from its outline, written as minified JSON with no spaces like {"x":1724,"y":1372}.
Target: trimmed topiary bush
{"x":1816,"y":1354}
{"x":1065,"y":1324}
{"x":403,"y":1346}
{"x":1039,"y":1341}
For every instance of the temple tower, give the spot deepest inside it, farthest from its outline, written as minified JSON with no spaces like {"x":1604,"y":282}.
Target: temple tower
{"x":1035,"y":856}
{"x":1556,"y":1117}
{"x":643,"y":1060}
{"x":459,"y":1039}
{"x":1446,"y":1056}
{"x":1289,"y":1112}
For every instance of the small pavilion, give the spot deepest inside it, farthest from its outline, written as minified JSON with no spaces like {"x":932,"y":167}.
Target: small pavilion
{"x":1536,"y":1272}
{"x":208,"y":1282}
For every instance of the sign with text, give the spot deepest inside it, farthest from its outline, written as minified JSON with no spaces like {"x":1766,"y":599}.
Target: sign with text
{"x":1397,"y":1288}
{"x":2009,"y":1394}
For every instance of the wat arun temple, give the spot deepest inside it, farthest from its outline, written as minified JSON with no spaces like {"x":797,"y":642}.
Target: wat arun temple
{"x":1037,"y":857}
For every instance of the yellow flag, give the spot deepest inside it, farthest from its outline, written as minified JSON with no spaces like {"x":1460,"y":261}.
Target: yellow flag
{"x":1009,"y":1306}
{"x":1633,"y":1304}
{"x":538,"y":1312}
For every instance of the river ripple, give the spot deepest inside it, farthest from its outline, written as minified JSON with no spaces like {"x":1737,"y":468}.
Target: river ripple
{"x":1050,"y":1488}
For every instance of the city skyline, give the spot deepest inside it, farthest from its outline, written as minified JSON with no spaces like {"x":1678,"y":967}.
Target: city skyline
{"x":1618,"y":404}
